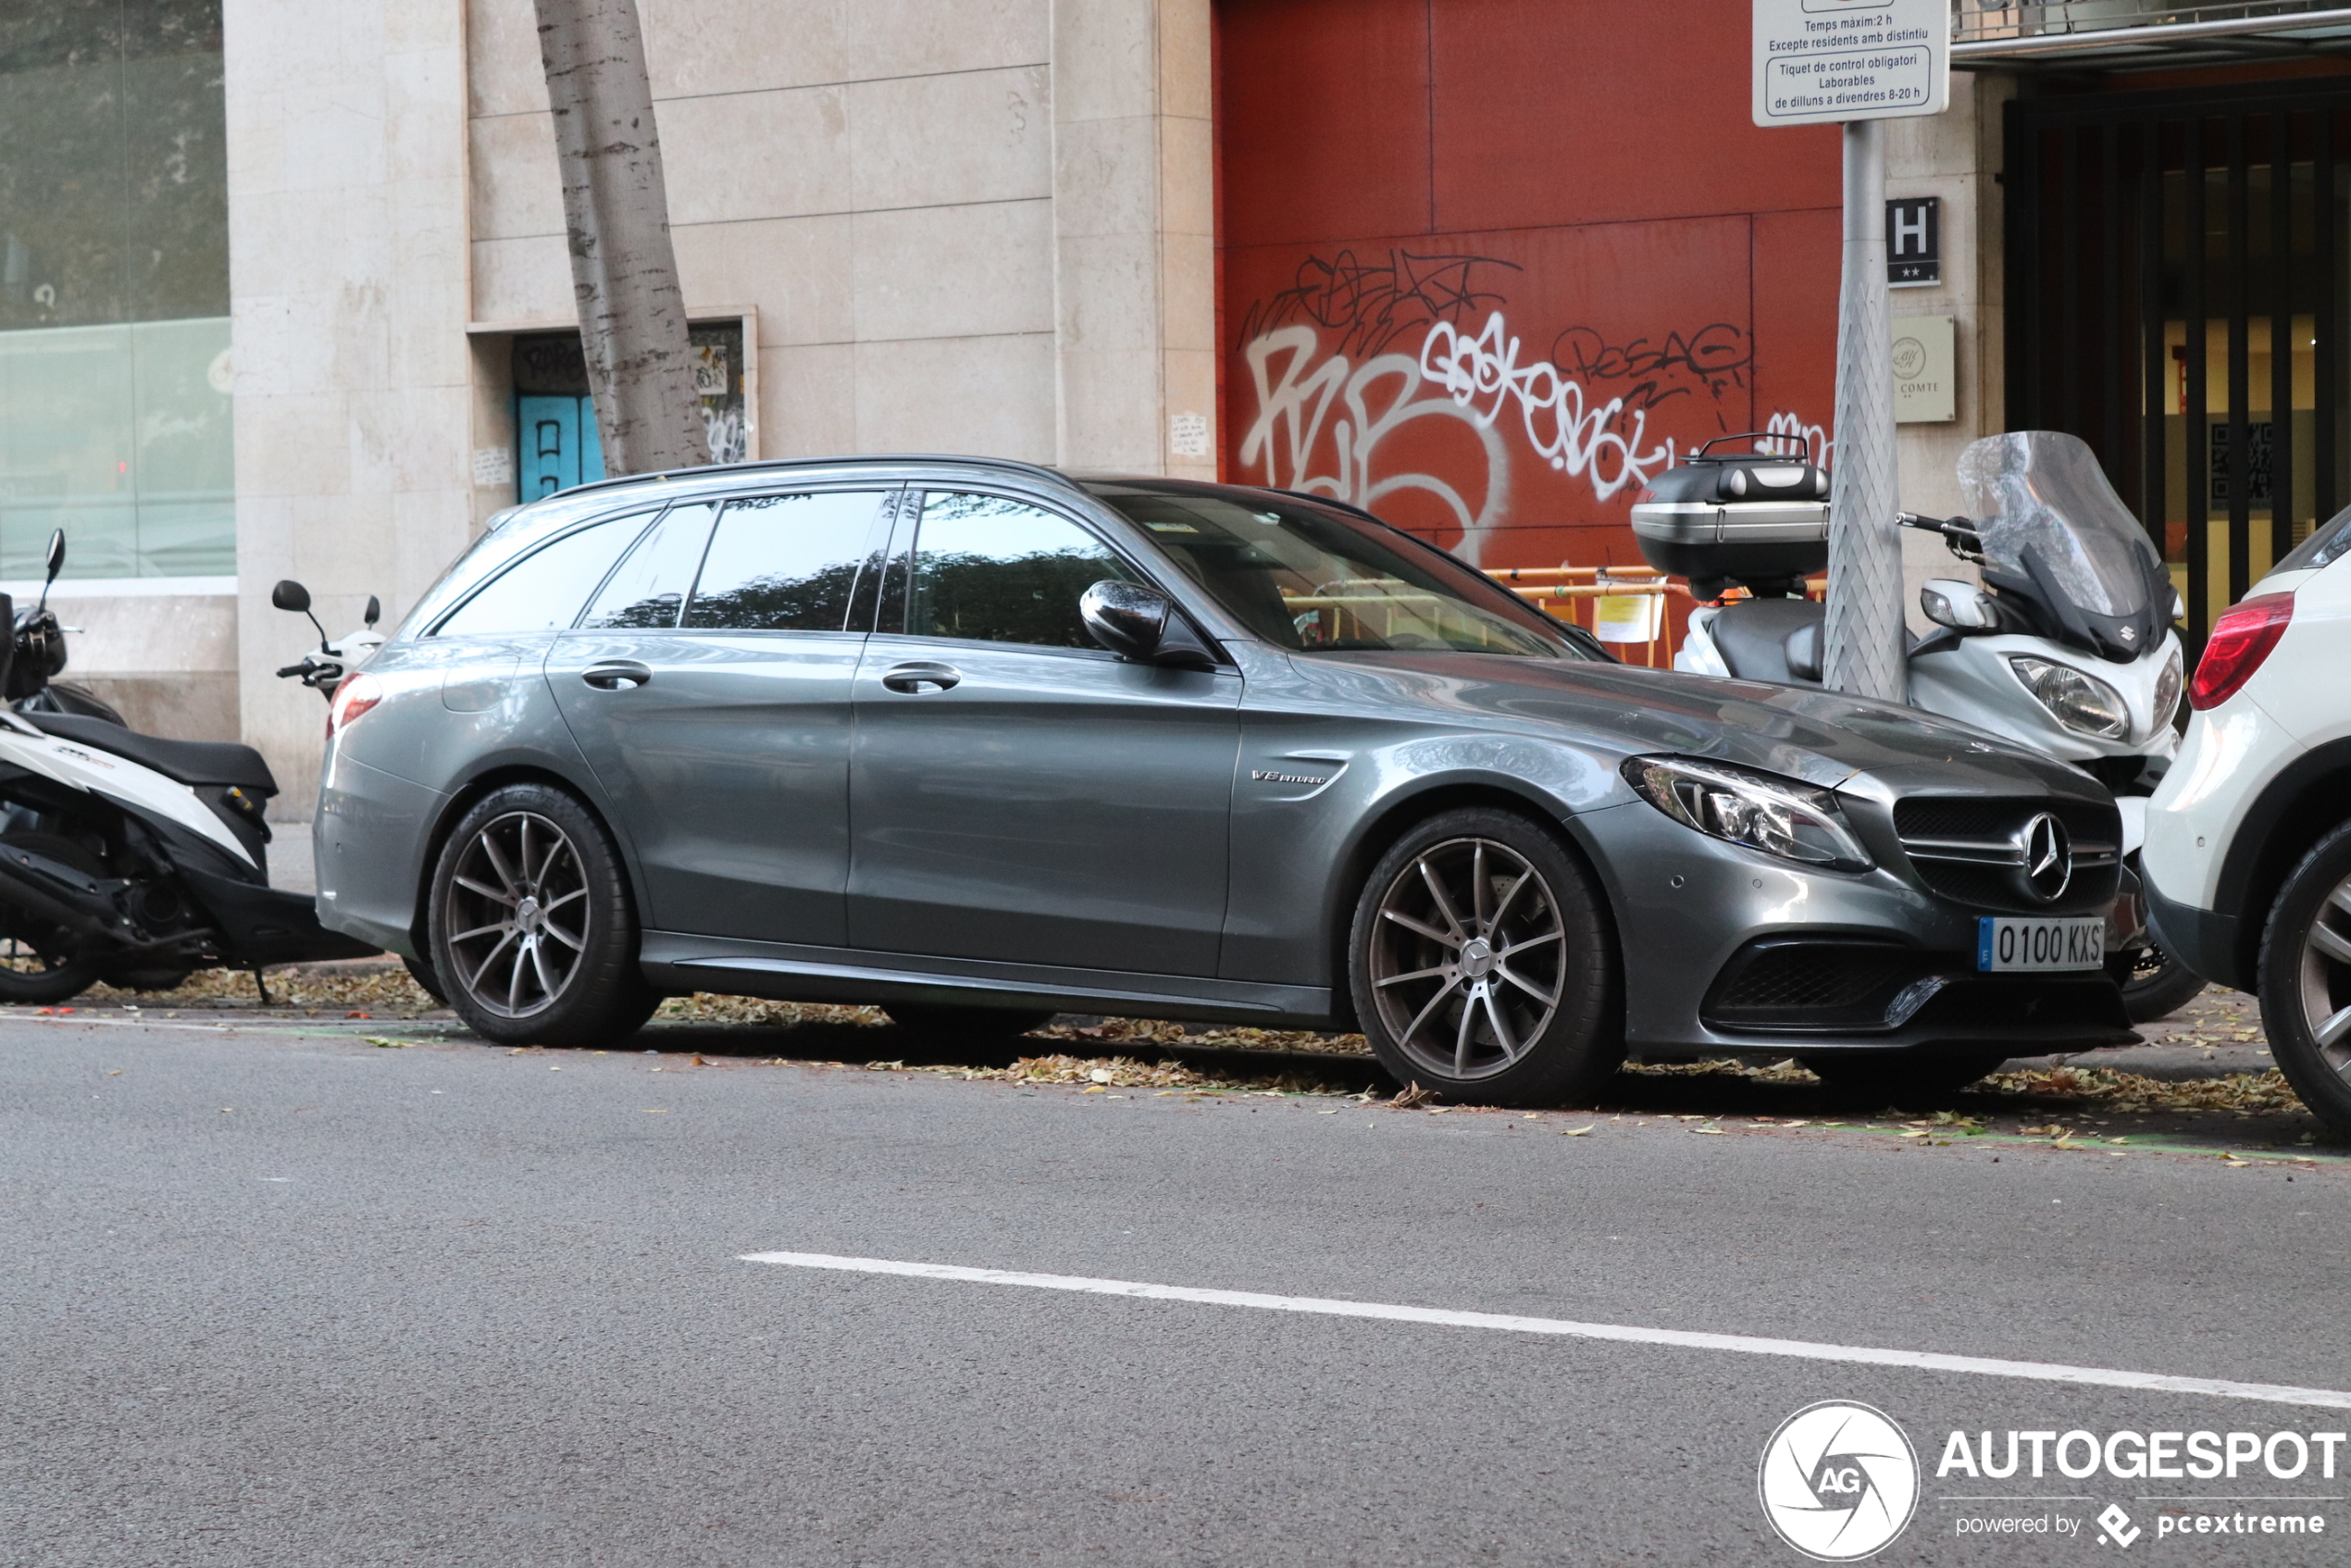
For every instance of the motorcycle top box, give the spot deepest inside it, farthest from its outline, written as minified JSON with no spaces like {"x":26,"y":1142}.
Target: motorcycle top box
{"x":1746,"y":516}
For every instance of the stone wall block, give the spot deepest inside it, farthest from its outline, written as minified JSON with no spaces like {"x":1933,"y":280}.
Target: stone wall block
{"x":992,"y":396}
{"x":702,"y":46}
{"x":932,"y":272}
{"x":755,"y":154}
{"x":927,"y":140}
{"x":918,"y":37}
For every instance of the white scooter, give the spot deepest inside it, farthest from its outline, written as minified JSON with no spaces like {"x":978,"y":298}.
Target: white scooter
{"x":2066,"y":646}
{"x":126,"y":857}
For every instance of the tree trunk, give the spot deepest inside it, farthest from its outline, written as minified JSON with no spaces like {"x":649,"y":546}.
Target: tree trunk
{"x":632,"y":315}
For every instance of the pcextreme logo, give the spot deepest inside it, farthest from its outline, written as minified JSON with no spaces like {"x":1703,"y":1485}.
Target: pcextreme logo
{"x":1838,"y":1481}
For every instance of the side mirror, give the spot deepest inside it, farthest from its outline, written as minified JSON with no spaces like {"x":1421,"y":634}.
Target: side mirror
{"x":1962,"y":606}
{"x":375,"y":611}
{"x":56,"y":553}
{"x":1138,"y":622}
{"x":291,"y":595}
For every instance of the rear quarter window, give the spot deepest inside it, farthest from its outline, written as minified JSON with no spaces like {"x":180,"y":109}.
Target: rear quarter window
{"x":544,"y":590}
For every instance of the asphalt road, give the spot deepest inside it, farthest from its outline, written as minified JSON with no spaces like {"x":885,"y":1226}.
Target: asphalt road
{"x":278,"y":1297}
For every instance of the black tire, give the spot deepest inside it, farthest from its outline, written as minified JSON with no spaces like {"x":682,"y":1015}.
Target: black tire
{"x":1900,"y":1073}
{"x":949,"y":1023}
{"x":2305,"y":980}
{"x":514,"y":963}
{"x":2154,"y":984}
{"x":1428,"y":963}
{"x":427,"y":981}
{"x":39,"y":962}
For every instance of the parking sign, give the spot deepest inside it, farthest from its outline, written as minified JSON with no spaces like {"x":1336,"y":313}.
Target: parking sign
{"x":1821,"y":62}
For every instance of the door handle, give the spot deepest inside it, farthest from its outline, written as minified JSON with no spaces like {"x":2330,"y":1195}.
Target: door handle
{"x":616,"y":675}
{"x":917,"y":679}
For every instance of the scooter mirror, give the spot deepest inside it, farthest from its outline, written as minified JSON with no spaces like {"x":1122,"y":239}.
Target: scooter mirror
{"x":375,"y":611}
{"x":1962,"y":606}
{"x":291,"y":595}
{"x":56,"y":553}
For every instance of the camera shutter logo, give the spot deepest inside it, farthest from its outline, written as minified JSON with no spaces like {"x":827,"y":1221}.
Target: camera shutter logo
{"x":1838,"y":1481}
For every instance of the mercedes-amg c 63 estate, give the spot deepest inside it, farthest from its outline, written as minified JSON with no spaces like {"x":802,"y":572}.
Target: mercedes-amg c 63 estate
{"x":977,"y":741}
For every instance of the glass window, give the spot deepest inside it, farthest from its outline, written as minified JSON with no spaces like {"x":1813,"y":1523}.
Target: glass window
{"x":785,"y":563}
{"x":2328,"y":542}
{"x":1003,"y":571}
{"x":1320,"y":582}
{"x":114,"y":410}
{"x":543,"y":592}
{"x":652,"y":585}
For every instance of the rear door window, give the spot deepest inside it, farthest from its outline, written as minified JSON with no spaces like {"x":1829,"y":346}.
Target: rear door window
{"x":786,"y":563}
{"x":997,"y":570}
{"x":544,"y":589}
{"x":650,"y":589}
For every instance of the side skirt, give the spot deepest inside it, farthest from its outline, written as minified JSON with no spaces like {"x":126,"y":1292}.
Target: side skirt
{"x":782,"y":972}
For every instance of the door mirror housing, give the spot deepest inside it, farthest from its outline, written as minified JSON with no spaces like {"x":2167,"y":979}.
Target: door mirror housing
{"x":291,"y":595}
{"x":1138,"y":622}
{"x":1962,"y":606}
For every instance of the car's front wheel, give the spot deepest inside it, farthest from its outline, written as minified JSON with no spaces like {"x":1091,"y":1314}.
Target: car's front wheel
{"x":1483,"y":963}
{"x":534,"y":934}
{"x":2305,"y":979}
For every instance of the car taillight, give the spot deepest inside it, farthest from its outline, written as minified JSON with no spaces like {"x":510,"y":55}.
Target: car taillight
{"x":355,"y":694}
{"x":2240,"y":640}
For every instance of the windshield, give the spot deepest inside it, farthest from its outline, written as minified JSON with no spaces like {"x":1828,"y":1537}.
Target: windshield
{"x":1319,"y":581}
{"x":2042,"y":491}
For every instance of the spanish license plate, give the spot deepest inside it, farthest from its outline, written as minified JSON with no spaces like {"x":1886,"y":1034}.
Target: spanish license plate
{"x":2006,"y":942}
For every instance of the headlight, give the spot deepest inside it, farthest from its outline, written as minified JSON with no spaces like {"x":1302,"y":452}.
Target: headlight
{"x":2082,"y":703}
{"x":2167,"y":691}
{"x":1762,"y":811}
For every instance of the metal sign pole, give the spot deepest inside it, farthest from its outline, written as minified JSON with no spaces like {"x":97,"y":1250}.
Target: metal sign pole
{"x":1863,"y":654}
{"x":1858,"y":63}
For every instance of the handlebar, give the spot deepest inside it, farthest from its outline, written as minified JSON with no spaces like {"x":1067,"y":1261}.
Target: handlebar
{"x":1959,"y":533}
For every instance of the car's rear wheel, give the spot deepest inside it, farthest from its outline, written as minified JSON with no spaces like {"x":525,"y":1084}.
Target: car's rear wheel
{"x":2305,"y":979}
{"x":534,"y":934}
{"x":1483,"y":964}
{"x":1902,"y":1072}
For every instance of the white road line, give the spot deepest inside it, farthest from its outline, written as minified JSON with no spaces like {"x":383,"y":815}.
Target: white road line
{"x":1924,"y":1360}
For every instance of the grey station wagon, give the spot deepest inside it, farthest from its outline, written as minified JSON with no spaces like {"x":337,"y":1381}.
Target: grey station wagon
{"x":978,"y":742}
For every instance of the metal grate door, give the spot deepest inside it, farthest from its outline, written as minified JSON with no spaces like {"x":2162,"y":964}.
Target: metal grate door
{"x":2179,"y":251}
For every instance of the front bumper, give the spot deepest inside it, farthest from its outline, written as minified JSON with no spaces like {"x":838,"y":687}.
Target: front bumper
{"x":1697,"y":916}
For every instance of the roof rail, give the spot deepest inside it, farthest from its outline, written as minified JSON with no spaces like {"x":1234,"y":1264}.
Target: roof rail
{"x":765,"y":465}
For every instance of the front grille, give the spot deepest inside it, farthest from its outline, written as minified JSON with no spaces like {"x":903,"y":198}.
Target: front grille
{"x":1970,"y":849}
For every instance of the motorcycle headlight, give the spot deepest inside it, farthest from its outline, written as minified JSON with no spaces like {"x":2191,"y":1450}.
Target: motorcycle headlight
{"x":2167,"y":691}
{"x":1760,"y":811}
{"x":2082,"y":703}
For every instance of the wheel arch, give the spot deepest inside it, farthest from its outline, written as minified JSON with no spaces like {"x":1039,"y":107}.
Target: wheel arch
{"x":462,"y":801}
{"x":2310,"y":797}
{"x":1400,"y":816}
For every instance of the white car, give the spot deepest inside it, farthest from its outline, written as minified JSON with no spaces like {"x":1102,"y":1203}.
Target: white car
{"x":2248,"y":840}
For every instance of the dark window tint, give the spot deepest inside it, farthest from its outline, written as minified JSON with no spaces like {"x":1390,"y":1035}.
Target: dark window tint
{"x":544,"y":590}
{"x":785,"y":563}
{"x":1002,"y":571}
{"x":1322,"y":581}
{"x":2328,"y":542}
{"x":651,"y":586}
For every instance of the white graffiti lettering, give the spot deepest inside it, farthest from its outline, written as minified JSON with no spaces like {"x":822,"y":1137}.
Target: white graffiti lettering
{"x":1303,"y":395}
{"x":1582,"y":442}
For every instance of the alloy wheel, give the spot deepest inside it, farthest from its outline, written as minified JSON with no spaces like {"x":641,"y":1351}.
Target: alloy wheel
{"x":2326,"y":978}
{"x":1467,"y":959}
{"x":517,"y":913}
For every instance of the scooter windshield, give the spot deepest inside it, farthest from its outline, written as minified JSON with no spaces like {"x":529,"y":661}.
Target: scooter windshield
{"x":2043,"y":492}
